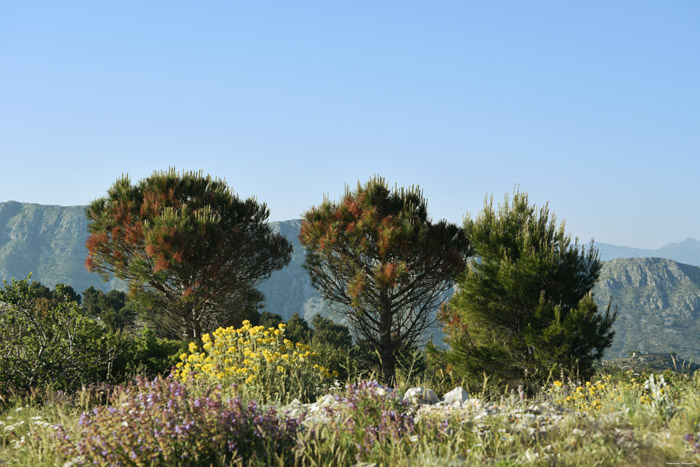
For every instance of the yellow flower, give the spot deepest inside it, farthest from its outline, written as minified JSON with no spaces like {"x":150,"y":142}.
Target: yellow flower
{"x":230,"y":355}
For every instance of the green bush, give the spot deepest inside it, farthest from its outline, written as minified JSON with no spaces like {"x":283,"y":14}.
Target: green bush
{"x":145,"y":354}
{"x":48,"y":342}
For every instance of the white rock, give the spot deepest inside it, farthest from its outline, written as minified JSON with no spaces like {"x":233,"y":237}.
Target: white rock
{"x":457,"y":395}
{"x":384,"y":391}
{"x":419,"y":395}
{"x":325,"y":401}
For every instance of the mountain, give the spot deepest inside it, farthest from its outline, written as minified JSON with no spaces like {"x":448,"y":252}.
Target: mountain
{"x":49,"y":242}
{"x":687,"y":252}
{"x":289,"y":290}
{"x":658,"y":299}
{"x":659,"y":306}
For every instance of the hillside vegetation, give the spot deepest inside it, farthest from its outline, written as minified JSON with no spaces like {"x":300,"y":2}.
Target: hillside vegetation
{"x":658,"y":299}
{"x":77,"y":388}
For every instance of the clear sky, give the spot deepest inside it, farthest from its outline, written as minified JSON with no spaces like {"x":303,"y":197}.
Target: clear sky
{"x":593,"y":106}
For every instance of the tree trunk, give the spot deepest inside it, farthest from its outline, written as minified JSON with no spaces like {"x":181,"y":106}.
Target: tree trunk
{"x":195,"y":325}
{"x":386,"y":347}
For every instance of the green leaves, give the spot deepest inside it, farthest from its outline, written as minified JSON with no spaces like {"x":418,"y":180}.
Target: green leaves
{"x":47,"y":342}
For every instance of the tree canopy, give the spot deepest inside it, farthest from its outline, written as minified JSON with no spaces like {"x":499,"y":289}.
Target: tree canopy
{"x":383,"y":264}
{"x":187,"y":246}
{"x":113,"y":308}
{"x":524,"y":307}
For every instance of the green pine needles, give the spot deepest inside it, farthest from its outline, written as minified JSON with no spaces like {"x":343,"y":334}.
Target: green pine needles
{"x":524,"y":307}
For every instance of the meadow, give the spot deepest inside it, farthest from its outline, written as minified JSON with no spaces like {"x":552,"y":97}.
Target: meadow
{"x":249,"y":396}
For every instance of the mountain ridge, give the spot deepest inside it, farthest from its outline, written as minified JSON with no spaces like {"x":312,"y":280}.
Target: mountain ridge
{"x":658,"y":298}
{"x":686,"y":251}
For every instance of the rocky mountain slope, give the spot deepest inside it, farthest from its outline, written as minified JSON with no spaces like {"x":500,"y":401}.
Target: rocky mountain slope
{"x":659,"y":306}
{"x":658,"y":299}
{"x":49,"y":242}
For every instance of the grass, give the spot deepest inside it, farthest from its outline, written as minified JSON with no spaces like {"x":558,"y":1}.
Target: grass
{"x":616,"y":419}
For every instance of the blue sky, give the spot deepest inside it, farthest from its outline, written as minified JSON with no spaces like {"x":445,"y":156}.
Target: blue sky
{"x":593,"y":106}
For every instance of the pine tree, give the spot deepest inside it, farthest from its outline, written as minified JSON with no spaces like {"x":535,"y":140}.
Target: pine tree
{"x":524,"y":306}
{"x":386,"y":267}
{"x":188,"y":247}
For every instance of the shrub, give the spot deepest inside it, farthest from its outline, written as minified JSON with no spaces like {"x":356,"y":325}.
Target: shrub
{"x":48,"y":342}
{"x":146,"y":354}
{"x":161,"y":422}
{"x":255,"y":359}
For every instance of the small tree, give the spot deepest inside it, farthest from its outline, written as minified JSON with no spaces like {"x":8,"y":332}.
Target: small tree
{"x":328,"y":332}
{"x":298,"y":330}
{"x":188,"y":247}
{"x":525,"y":305}
{"x":113,"y":308}
{"x":48,"y":342}
{"x":268,"y":320}
{"x":377,"y":256}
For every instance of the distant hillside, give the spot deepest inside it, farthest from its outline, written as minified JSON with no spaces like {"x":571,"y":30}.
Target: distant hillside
{"x":659,"y":306}
{"x":48,"y":241}
{"x":658,"y":299}
{"x":687,"y":251}
{"x":289,"y":290}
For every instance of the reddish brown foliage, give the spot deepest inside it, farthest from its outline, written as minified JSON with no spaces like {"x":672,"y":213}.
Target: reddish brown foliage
{"x":150,"y":250}
{"x":352,"y":206}
{"x":134,"y":233}
{"x":161,"y":264}
{"x":388,"y":275}
{"x":96,"y":241}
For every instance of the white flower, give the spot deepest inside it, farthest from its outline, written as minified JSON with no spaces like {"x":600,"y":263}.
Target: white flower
{"x":12,"y":427}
